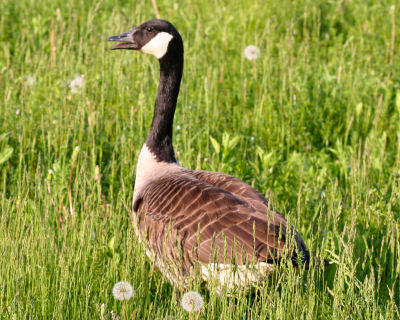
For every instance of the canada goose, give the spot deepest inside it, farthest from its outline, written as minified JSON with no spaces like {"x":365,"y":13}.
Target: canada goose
{"x":188,"y":218}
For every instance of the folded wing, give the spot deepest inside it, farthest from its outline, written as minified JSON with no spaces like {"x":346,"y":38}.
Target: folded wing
{"x":195,"y":216}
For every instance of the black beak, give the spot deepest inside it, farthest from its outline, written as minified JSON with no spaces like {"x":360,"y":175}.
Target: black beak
{"x":126,"y":39}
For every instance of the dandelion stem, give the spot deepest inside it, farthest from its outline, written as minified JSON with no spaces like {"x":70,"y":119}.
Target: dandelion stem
{"x":156,"y":12}
{"x":123,"y":310}
{"x":59,"y":217}
{"x":52,"y":45}
{"x":71,"y":212}
{"x":74,"y":156}
{"x":393,"y":35}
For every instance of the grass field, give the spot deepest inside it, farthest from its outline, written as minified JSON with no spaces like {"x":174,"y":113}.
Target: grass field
{"x":313,"y":123}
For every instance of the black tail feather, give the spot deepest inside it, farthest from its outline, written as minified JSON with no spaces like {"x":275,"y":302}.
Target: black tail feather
{"x":316,"y":261}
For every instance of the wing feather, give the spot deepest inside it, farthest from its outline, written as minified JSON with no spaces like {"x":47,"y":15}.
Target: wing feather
{"x":188,"y":213}
{"x":243,"y":191}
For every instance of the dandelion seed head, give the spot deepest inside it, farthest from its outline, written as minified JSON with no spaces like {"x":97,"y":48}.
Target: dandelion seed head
{"x":77,"y":148}
{"x":97,"y":174}
{"x":50,"y":171}
{"x":58,"y":14}
{"x":17,"y":112}
{"x":30,"y":81}
{"x":178,"y":127}
{"x":252,"y":139}
{"x":192,"y":301}
{"x":103,"y":309}
{"x":114,"y":315}
{"x":77,"y":84}
{"x":251,"y":52}
{"x":122,"y":290}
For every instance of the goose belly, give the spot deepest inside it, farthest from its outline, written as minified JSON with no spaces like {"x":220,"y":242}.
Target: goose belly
{"x":231,"y":277}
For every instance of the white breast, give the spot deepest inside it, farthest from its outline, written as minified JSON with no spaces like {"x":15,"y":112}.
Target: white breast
{"x":149,"y":169}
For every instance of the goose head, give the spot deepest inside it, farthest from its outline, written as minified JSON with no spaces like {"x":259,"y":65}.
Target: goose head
{"x":156,"y":37}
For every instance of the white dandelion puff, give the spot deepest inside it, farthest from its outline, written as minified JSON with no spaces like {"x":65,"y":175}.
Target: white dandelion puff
{"x":251,"y":52}
{"x":29,"y":80}
{"x":97,"y":174}
{"x":252,"y":139}
{"x":77,"y":148}
{"x":192,"y":301}
{"x":17,"y":112}
{"x":122,"y":290}
{"x":114,"y":315}
{"x":58,"y":14}
{"x":77,"y":84}
{"x":50,"y":171}
{"x":178,"y":127}
{"x":102,"y":310}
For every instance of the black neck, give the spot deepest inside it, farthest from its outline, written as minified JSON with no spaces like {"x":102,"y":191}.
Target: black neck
{"x":159,"y":140}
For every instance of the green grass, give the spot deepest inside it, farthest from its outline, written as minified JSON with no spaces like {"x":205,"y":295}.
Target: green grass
{"x":322,"y":103}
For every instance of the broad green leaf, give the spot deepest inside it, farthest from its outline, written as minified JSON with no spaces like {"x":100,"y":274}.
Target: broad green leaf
{"x":233,"y":142}
{"x":398,"y":101}
{"x":3,"y":136}
{"x":6,"y":154}
{"x":216,"y":145}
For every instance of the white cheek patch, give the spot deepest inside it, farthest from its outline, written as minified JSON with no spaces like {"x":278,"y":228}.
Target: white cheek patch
{"x":158,"y":46}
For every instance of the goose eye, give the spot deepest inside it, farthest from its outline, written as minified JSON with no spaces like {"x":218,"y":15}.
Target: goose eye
{"x":149,"y":29}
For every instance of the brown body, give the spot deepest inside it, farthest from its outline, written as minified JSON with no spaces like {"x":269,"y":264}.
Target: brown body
{"x":186,"y":218}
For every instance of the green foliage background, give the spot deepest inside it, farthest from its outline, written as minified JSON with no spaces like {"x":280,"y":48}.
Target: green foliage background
{"x":313,"y":124}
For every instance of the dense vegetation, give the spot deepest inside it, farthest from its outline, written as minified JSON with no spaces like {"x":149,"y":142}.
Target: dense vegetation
{"x":313,"y":124}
